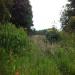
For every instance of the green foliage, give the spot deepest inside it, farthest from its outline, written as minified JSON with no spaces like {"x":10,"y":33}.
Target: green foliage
{"x":14,"y":44}
{"x":19,"y":54}
{"x":66,"y":16}
{"x":53,"y":36}
{"x":20,"y":59}
{"x":16,"y":11}
{"x":13,"y":39}
{"x":65,"y":54}
{"x":37,"y":64}
{"x":71,"y":24}
{"x":5,"y":6}
{"x":21,"y":14}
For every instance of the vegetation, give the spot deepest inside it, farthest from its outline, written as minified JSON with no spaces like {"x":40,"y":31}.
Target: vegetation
{"x":18,"y":12}
{"x":20,"y":55}
{"x":67,"y":15}
{"x":53,"y":36}
{"x":24,"y":16}
{"x":13,"y":39}
{"x":52,"y":53}
{"x":13,"y":44}
{"x":17,"y":53}
{"x":64,"y":55}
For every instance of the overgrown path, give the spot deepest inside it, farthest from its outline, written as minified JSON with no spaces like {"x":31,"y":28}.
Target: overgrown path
{"x":42,"y":43}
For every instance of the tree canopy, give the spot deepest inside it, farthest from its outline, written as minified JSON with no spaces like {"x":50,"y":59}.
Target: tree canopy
{"x":22,"y":13}
{"x":19,"y":12}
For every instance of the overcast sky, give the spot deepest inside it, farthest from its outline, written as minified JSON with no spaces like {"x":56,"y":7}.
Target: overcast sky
{"x":46,"y":13}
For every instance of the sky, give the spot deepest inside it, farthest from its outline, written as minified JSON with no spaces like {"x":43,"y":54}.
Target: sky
{"x":46,"y":13}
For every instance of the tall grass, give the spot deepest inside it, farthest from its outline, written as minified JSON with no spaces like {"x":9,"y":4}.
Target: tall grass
{"x":19,"y":55}
{"x":65,"y":54}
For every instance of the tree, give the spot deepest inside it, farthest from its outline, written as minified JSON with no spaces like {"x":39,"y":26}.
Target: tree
{"x":71,"y":24}
{"x":22,"y":14}
{"x":18,"y":12}
{"x":5,"y":15}
{"x":67,"y":14}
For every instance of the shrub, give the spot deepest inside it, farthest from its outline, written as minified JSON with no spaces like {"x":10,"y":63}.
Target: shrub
{"x":52,"y":36}
{"x":13,"y":39}
{"x":65,"y":54}
{"x":14,"y":43}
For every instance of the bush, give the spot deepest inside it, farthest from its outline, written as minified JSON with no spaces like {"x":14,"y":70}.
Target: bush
{"x":65,"y":54}
{"x":14,"y":43}
{"x":53,"y":36}
{"x":13,"y":39}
